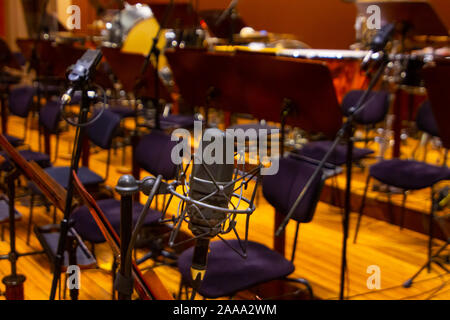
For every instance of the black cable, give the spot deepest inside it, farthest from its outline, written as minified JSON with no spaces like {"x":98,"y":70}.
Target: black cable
{"x":90,"y":122}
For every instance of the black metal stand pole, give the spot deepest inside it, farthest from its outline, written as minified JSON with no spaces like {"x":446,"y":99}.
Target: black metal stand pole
{"x":83,"y":115}
{"x":127,"y":187}
{"x":14,"y":282}
{"x":154,"y":51}
{"x":347,"y":210}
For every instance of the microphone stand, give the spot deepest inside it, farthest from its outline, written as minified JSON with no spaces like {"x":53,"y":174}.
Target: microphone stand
{"x":14,"y":282}
{"x":127,"y":187}
{"x":76,"y":155}
{"x":154,"y":51}
{"x":232,"y":12}
{"x":346,"y":132}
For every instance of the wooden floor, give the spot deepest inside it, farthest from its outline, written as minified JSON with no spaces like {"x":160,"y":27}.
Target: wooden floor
{"x":397,"y":253}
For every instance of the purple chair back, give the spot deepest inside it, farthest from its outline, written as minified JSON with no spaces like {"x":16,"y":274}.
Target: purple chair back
{"x":50,"y":115}
{"x":281,"y":190}
{"x":426,"y":121}
{"x":102,"y":131}
{"x":153,"y":154}
{"x":375,"y":110}
{"x":21,"y":101}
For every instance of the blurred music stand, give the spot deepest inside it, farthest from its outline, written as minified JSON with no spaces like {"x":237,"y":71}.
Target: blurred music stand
{"x":413,"y":18}
{"x":127,"y":66}
{"x":221,"y":77}
{"x":221,"y":29}
{"x":436,"y":75}
{"x":7,"y":60}
{"x":285,"y":90}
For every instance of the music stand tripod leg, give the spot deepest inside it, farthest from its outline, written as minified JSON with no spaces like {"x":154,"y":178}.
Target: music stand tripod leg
{"x":14,"y":282}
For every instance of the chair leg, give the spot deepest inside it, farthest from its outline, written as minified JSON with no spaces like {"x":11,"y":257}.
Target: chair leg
{"x":361,"y":209}
{"x":56,"y":147}
{"x":402,"y":216}
{"x":65,"y":286}
{"x":54,"y":215}
{"x":430,"y":231}
{"x":180,"y":290}
{"x":30,"y":218}
{"x":305,"y":283}
{"x":2,"y":235}
{"x":390,"y":207}
{"x":114,"y":270}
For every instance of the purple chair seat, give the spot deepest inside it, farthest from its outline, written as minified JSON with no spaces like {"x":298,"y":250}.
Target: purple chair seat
{"x":408,"y":174}
{"x":4,"y":212}
{"x":318,"y":149}
{"x":229,"y":273}
{"x":41,"y":159}
{"x":85,"y":224}
{"x":16,"y":142}
{"x":61,"y":175}
{"x":123,"y":112}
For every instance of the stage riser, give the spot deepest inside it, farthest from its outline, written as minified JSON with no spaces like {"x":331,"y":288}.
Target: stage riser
{"x":414,"y":220}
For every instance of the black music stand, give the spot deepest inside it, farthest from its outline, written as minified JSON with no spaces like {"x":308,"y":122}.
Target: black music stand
{"x":126,"y":67}
{"x":436,"y":77}
{"x":221,"y":29}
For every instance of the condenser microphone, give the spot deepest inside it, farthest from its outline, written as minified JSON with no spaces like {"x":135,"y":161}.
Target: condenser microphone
{"x":210,"y":183}
{"x":80,"y":72}
{"x":379,"y":42}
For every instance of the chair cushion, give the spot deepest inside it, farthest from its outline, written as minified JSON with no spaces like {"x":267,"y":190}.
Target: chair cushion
{"x":4,"y":212}
{"x":281,"y":190}
{"x":16,"y":142}
{"x":123,"y":112}
{"x":49,"y":116}
{"x":375,"y":109}
{"x":42,"y":159}
{"x":408,"y":174}
{"x":153,"y":154}
{"x":426,"y":121}
{"x":103,"y":130}
{"x":318,"y":149}
{"x":228,"y":273}
{"x":86,"y":226}
{"x":87,"y":177}
{"x":21,"y":100}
